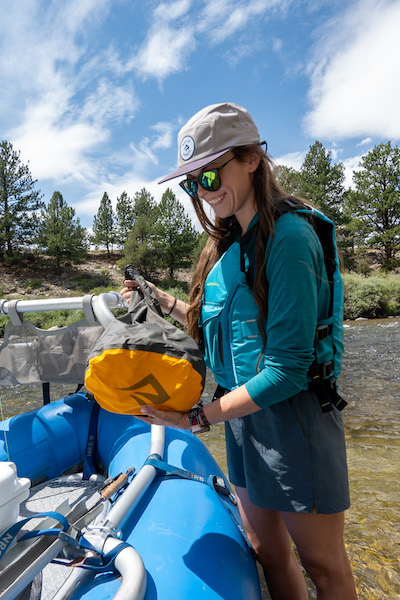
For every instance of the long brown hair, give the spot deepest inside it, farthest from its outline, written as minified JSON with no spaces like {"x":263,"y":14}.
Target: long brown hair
{"x":268,"y":203}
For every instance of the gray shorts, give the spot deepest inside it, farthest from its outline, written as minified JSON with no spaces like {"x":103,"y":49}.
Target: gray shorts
{"x":290,"y":457}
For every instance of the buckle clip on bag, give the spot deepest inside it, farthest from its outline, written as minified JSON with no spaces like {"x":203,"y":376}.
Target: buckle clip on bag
{"x":143,"y":359}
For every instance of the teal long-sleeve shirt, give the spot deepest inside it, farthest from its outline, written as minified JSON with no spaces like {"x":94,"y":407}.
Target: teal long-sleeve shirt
{"x":298,"y":297}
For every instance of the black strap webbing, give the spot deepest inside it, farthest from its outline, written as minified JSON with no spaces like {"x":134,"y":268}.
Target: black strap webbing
{"x":327,"y":395}
{"x":46,"y":392}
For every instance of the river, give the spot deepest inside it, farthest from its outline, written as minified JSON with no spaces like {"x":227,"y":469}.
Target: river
{"x":370,"y":382}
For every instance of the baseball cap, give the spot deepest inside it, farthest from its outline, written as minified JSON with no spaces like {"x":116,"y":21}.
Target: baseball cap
{"x":210,"y":133}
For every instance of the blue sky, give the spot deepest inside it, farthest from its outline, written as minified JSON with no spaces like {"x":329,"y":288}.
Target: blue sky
{"x":93,"y":92}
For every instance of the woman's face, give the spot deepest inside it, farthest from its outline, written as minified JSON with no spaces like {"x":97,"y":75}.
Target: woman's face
{"x":236,"y":194}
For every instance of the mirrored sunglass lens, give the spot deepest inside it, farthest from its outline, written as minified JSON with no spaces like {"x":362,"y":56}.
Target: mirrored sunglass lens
{"x":210,"y":180}
{"x":191,"y":187}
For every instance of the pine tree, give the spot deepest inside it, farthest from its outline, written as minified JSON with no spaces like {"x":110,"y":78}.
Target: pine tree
{"x":174,"y":235}
{"x":289,"y":179}
{"x":19,"y":201}
{"x":124,"y":218}
{"x":143,"y":204}
{"x":103,"y":225}
{"x":376,"y":201}
{"x":200,"y":244}
{"x":322,"y":182}
{"x":60,"y":233}
{"x":139,"y":250}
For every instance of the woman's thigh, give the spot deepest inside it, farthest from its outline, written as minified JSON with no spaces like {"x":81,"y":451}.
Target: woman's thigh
{"x":265,"y":528}
{"x":319,"y":539}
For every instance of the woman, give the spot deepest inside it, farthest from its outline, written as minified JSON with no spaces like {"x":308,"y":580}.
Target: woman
{"x":286,"y":457}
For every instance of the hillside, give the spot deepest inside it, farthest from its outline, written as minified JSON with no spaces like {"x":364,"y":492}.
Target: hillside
{"x":35,"y":277}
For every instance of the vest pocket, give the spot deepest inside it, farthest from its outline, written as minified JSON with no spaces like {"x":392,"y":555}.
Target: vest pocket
{"x":246,"y":339}
{"x":212,"y":332}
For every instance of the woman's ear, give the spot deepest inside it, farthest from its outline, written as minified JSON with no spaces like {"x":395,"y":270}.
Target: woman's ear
{"x":253,"y":160}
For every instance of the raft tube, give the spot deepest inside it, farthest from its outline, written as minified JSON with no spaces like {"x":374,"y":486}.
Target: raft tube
{"x":187,"y":534}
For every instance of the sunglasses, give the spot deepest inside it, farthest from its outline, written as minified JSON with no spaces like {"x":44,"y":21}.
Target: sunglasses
{"x":209,"y":180}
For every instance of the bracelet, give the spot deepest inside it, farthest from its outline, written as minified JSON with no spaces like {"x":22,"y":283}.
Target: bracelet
{"x":173,"y":306}
{"x":197,"y":425}
{"x":203,"y":417}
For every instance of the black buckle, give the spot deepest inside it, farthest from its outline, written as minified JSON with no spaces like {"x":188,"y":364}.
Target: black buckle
{"x":219,"y":392}
{"x":323,"y":331}
{"x":320,"y":372}
{"x":327,"y":369}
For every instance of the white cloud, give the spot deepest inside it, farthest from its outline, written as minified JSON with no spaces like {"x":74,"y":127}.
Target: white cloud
{"x":172,"y":11}
{"x":165,"y":137}
{"x":44,"y":40}
{"x":277,"y":45}
{"x":169,"y":42}
{"x":222,"y":19}
{"x":350,"y":166}
{"x":294,"y":160}
{"x":56,"y":150}
{"x":365,"y":141}
{"x":175,"y":35}
{"x":62,"y":97}
{"x":355,"y":77}
{"x":164,"y":52}
{"x":109,"y":101}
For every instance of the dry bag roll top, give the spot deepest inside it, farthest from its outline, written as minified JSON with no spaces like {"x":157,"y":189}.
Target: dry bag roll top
{"x":143,"y":359}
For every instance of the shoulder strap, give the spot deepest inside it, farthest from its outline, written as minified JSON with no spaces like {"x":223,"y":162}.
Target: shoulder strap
{"x":325,"y":230}
{"x":280,"y":207}
{"x":244,"y":257}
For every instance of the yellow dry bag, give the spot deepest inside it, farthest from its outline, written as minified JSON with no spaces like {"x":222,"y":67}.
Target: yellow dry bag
{"x":143,"y":359}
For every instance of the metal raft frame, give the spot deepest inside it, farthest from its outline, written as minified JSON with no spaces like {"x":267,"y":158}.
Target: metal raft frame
{"x":100,"y":305}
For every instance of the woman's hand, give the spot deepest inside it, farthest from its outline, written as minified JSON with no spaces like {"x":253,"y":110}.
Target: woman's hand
{"x":130,"y":285}
{"x":168,"y":418}
{"x":169,"y":304}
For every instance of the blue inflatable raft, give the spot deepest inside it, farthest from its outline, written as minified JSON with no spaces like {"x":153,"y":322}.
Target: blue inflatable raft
{"x":164,"y":524}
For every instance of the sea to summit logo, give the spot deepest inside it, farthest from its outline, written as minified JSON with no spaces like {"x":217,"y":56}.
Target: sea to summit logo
{"x":143,"y":391}
{"x":187,"y":147}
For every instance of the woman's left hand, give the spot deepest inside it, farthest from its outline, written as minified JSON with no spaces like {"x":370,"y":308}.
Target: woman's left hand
{"x":168,"y":418}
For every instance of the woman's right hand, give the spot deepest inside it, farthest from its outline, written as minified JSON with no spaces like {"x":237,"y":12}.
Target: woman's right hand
{"x":169,"y":304}
{"x":131,"y":284}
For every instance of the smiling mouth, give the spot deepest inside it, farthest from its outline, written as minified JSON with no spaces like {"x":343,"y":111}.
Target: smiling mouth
{"x":215,"y":200}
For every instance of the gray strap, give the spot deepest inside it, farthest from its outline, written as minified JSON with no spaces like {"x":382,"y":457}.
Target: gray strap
{"x":145,"y":291}
{"x":88,"y":309}
{"x":15,"y":317}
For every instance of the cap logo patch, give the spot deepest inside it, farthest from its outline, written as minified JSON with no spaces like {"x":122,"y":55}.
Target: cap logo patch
{"x":187,"y":147}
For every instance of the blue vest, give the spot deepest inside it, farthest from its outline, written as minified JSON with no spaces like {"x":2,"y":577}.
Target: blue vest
{"x":228,"y":321}
{"x":232,"y":341}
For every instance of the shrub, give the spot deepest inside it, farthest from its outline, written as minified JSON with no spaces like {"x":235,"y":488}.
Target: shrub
{"x":391,"y":285}
{"x":179,"y":289}
{"x":32,"y":283}
{"x":372,"y":297}
{"x":86,"y":282}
